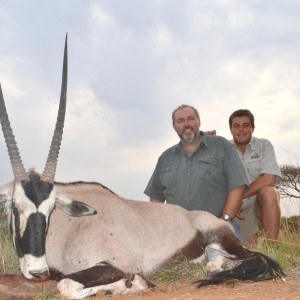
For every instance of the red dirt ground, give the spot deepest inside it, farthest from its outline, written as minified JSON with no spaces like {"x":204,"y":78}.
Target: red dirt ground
{"x":275,"y":290}
{"x":15,"y":287}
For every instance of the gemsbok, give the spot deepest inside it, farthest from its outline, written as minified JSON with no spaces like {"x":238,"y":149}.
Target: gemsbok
{"x":89,"y":239}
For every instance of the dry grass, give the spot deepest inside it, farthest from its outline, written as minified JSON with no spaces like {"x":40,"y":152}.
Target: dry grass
{"x":8,"y":258}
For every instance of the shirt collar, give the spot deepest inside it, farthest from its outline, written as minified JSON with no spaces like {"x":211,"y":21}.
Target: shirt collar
{"x":250,"y":145}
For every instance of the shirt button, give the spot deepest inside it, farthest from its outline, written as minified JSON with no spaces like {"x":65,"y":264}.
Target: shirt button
{"x":188,"y":174}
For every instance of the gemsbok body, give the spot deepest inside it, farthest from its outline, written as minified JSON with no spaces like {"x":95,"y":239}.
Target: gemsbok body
{"x":89,"y":239}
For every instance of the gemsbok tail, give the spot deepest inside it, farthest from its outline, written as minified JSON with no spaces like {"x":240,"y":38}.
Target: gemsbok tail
{"x":256,"y":267}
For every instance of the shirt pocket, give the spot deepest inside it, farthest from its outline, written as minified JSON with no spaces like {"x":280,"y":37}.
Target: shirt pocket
{"x":209,"y":169}
{"x":169,"y":174}
{"x":254,"y":167}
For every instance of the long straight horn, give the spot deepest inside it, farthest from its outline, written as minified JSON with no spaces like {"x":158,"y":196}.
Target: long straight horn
{"x":13,"y":151}
{"x":50,"y":167}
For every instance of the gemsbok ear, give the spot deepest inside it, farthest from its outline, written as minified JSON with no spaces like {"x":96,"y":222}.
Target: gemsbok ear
{"x":74,"y":208}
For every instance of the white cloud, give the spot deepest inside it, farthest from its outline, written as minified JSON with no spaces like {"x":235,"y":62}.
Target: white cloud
{"x":101,"y":16}
{"x":130,"y":64}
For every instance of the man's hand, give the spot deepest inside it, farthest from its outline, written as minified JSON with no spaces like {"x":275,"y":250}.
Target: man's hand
{"x":238,"y":214}
{"x":210,"y":132}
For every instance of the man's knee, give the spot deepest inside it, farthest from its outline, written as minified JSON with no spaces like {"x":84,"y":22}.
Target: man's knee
{"x":267,"y":202}
{"x":268,"y":193}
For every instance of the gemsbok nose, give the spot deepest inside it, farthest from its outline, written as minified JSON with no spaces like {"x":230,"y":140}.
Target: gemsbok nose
{"x":40,"y":276}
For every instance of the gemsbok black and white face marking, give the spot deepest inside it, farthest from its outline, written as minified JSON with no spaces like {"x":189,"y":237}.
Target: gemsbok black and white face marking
{"x":32,"y":203}
{"x":32,"y":196}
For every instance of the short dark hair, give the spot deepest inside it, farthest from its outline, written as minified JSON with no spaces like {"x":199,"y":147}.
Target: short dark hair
{"x":182,"y":106}
{"x":242,"y":113}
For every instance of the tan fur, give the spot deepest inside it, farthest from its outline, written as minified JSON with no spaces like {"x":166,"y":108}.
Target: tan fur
{"x":135,"y":236}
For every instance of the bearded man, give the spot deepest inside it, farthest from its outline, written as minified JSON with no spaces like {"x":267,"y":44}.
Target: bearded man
{"x":201,"y":172}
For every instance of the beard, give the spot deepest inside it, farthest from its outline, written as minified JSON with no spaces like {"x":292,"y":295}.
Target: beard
{"x":188,"y":138}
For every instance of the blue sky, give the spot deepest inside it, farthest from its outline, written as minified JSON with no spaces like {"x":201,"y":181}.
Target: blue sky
{"x":130,"y":64}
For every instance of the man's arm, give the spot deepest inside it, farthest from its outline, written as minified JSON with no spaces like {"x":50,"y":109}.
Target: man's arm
{"x":234,"y":201}
{"x":270,"y":169}
{"x":256,"y":185}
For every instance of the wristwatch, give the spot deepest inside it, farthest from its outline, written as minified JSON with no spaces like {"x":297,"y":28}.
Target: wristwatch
{"x":226,"y":217}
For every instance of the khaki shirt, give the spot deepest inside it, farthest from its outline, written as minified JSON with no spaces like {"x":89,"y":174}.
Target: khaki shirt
{"x":201,"y":181}
{"x":258,"y":159}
